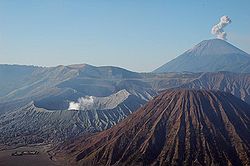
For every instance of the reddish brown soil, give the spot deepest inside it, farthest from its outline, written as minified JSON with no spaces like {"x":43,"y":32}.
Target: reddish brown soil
{"x":179,"y":127}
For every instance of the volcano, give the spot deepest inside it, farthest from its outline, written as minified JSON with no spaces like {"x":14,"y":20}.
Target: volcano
{"x":209,"y":56}
{"x":234,"y":83}
{"x":179,"y":127}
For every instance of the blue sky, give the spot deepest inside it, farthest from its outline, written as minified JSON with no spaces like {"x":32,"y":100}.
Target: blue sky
{"x":139,"y":35}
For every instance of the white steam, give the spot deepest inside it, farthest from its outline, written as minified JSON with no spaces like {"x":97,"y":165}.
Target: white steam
{"x":218,"y":28}
{"x":83,"y":103}
{"x":99,"y":103}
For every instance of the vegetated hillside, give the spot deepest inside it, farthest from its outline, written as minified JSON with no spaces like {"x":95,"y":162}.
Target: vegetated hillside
{"x":30,"y":124}
{"x":179,"y":127}
{"x":234,"y":83}
{"x":210,"y":56}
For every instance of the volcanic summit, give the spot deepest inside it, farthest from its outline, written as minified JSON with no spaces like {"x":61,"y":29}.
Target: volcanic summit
{"x":209,"y":56}
{"x":179,"y":127}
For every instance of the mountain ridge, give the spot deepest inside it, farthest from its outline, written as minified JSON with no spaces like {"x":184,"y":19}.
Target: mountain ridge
{"x":234,"y":83}
{"x":52,"y":126}
{"x":178,"y":127}
{"x":216,"y":47}
{"x":209,"y":56}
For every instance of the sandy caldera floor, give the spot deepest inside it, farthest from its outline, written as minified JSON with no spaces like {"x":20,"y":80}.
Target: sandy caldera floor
{"x":41,"y":159}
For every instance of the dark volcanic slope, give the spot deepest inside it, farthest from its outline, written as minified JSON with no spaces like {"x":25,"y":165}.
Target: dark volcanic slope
{"x":237,"y":84}
{"x":179,"y":127}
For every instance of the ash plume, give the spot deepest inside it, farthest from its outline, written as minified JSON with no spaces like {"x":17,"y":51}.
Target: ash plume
{"x":218,"y":28}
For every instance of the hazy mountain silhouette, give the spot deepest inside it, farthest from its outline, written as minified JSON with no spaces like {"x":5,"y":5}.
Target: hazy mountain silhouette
{"x":210,"y":56}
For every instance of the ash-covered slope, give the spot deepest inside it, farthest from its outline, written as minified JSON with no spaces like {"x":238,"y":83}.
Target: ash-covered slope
{"x":237,"y":84}
{"x":99,"y":103}
{"x":210,"y":56}
{"x":31,"y":124}
{"x":52,"y":87}
{"x":13,"y":76}
{"x":32,"y":81}
{"x":35,"y":82}
{"x":179,"y":127}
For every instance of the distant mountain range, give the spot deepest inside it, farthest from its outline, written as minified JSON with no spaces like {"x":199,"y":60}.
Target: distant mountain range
{"x":55,"y":104}
{"x":52,"y":89}
{"x":179,"y":127}
{"x":35,"y":108}
{"x":209,"y":56}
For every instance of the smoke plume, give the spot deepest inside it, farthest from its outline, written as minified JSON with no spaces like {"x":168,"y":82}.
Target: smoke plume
{"x":218,"y":28}
{"x":83,"y":103}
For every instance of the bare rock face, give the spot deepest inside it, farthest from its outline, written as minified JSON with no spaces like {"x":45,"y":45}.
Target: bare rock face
{"x":179,"y":127}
